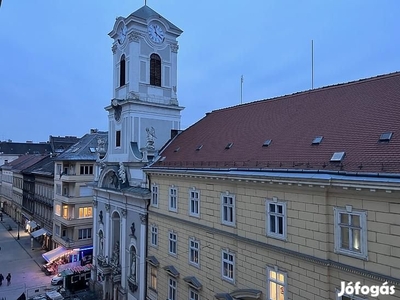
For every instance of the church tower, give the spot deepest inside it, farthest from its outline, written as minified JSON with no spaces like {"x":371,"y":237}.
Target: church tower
{"x":143,"y":115}
{"x":145,"y":104}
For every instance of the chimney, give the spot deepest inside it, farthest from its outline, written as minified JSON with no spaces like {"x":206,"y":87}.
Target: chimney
{"x":93,"y":130}
{"x":29,"y":142}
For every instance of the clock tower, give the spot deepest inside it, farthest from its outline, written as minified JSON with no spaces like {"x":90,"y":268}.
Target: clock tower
{"x":143,"y":114}
{"x":145,"y":51}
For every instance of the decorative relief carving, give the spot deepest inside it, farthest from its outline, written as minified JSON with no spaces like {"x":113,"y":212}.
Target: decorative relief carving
{"x":121,"y":172}
{"x":114,"y":49}
{"x":107,"y":207}
{"x":134,"y":36}
{"x":124,"y":212}
{"x":151,"y":136}
{"x":174,"y":48}
{"x":94,"y":203}
{"x":143,"y":218}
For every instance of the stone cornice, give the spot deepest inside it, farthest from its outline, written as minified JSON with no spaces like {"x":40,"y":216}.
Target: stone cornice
{"x":299,"y":255}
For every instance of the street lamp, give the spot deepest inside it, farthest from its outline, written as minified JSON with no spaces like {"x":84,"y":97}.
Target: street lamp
{"x":18,"y":231}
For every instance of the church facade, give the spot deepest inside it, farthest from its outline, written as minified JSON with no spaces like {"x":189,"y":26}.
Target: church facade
{"x":143,"y":115}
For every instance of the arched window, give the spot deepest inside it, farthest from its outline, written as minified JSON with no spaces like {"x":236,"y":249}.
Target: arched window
{"x":155,"y":70}
{"x":122,"y":71}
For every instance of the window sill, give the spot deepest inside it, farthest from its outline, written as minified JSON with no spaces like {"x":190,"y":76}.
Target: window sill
{"x":194,"y":216}
{"x":356,"y":255}
{"x":229,"y":280}
{"x":277,"y":237}
{"x":228,"y":224}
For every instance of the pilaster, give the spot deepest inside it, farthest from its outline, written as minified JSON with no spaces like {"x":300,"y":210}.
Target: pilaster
{"x":142,"y":258}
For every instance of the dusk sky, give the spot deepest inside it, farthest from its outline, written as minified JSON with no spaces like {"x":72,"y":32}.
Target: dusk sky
{"x":56,"y":58}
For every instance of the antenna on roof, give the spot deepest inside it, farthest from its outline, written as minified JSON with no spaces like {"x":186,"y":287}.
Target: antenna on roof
{"x":312,"y":64}
{"x":241,"y":89}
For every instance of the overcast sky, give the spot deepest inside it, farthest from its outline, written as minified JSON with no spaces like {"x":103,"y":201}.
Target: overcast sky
{"x":56,"y":58}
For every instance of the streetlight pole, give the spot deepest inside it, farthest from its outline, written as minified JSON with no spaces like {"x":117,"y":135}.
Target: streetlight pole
{"x":18,"y":232}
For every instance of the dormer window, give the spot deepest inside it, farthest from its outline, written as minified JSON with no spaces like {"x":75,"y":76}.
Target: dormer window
{"x":155,"y":70}
{"x":122,"y":71}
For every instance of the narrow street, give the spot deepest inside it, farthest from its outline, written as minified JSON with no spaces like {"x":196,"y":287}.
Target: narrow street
{"x":18,"y":258}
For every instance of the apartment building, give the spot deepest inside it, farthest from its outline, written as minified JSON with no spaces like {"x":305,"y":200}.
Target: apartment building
{"x":280,"y":199}
{"x":73,"y":198}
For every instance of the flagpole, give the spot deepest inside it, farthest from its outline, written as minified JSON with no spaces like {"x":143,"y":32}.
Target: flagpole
{"x":241,"y":90}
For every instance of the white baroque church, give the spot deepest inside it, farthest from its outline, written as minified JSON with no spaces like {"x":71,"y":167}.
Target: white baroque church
{"x":142,"y":116}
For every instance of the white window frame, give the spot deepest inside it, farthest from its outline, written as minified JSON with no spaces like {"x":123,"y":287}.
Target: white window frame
{"x":154,"y":236}
{"x":337,"y":211}
{"x":172,"y":289}
{"x":276,"y":281}
{"x":226,"y":207}
{"x":154,"y":195}
{"x":193,"y":294}
{"x":194,"y":247}
{"x":227,"y":262}
{"x":274,"y":201}
{"x":192,"y":201}
{"x":172,"y":239}
{"x":352,"y":297}
{"x":173,"y":199}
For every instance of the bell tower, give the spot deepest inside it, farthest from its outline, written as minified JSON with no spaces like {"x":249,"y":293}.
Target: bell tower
{"x":145,"y":52}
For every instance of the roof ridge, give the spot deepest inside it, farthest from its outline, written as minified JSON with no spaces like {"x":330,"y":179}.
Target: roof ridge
{"x":323,"y":88}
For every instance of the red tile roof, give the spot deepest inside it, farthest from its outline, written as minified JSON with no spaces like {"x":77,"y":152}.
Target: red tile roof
{"x":350,"y":117}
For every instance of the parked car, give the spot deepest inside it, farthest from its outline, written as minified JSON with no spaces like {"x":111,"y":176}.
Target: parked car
{"x":57,"y":280}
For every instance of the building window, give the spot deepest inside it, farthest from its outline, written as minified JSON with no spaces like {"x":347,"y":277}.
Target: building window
{"x":276,"y":284}
{"x":154,"y":195}
{"x":122,"y":71}
{"x":351,"y":232}
{"x":228,"y":266}
{"x":172,"y":243}
{"x":86,"y":169}
{"x":193,"y":295}
{"x":57,"y":210}
{"x":58,"y":169}
{"x":228,"y":209}
{"x":118,"y":138}
{"x":153,"y":278}
{"x":65,"y":211}
{"x":57,"y":229}
{"x":194,"y":252}
{"x":276,"y":219}
{"x":85,"y":234}
{"x":172,"y":287}
{"x":85,"y":212}
{"x":194,"y":203}
{"x":154,"y":235}
{"x":155,"y":70}
{"x":173,"y":199}
{"x":58,"y":189}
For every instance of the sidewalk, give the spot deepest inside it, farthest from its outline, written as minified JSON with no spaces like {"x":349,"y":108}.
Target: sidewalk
{"x":21,"y":260}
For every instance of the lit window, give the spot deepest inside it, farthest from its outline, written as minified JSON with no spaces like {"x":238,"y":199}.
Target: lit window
{"x":228,"y":266}
{"x":173,"y":199}
{"x":153,"y":278}
{"x":276,"y":219}
{"x":85,"y":212}
{"x":154,"y":195}
{"x":276,"y":284}
{"x":228,"y":209}
{"x":194,"y":203}
{"x":351,"y":232}
{"x":57,"y":210}
{"x":194,"y":252}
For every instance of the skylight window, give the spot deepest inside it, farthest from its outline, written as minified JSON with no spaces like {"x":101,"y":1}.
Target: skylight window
{"x":317,"y":140}
{"x":267,"y":143}
{"x":177,"y":149}
{"x":385,"y":137}
{"x":229,"y":146}
{"x":338,"y":156}
{"x":199,"y":148}
{"x":92,"y":150}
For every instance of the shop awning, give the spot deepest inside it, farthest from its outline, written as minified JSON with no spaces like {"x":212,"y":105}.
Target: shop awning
{"x":39,"y":232}
{"x":31,"y":224}
{"x":55,"y":253}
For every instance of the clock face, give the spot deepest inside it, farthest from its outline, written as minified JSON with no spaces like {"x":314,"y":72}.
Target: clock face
{"x":156,"y":33}
{"x":121,"y":35}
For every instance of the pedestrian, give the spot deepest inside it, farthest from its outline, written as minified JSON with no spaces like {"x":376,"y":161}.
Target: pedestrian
{"x":1,"y":279}
{"x":8,"y":279}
